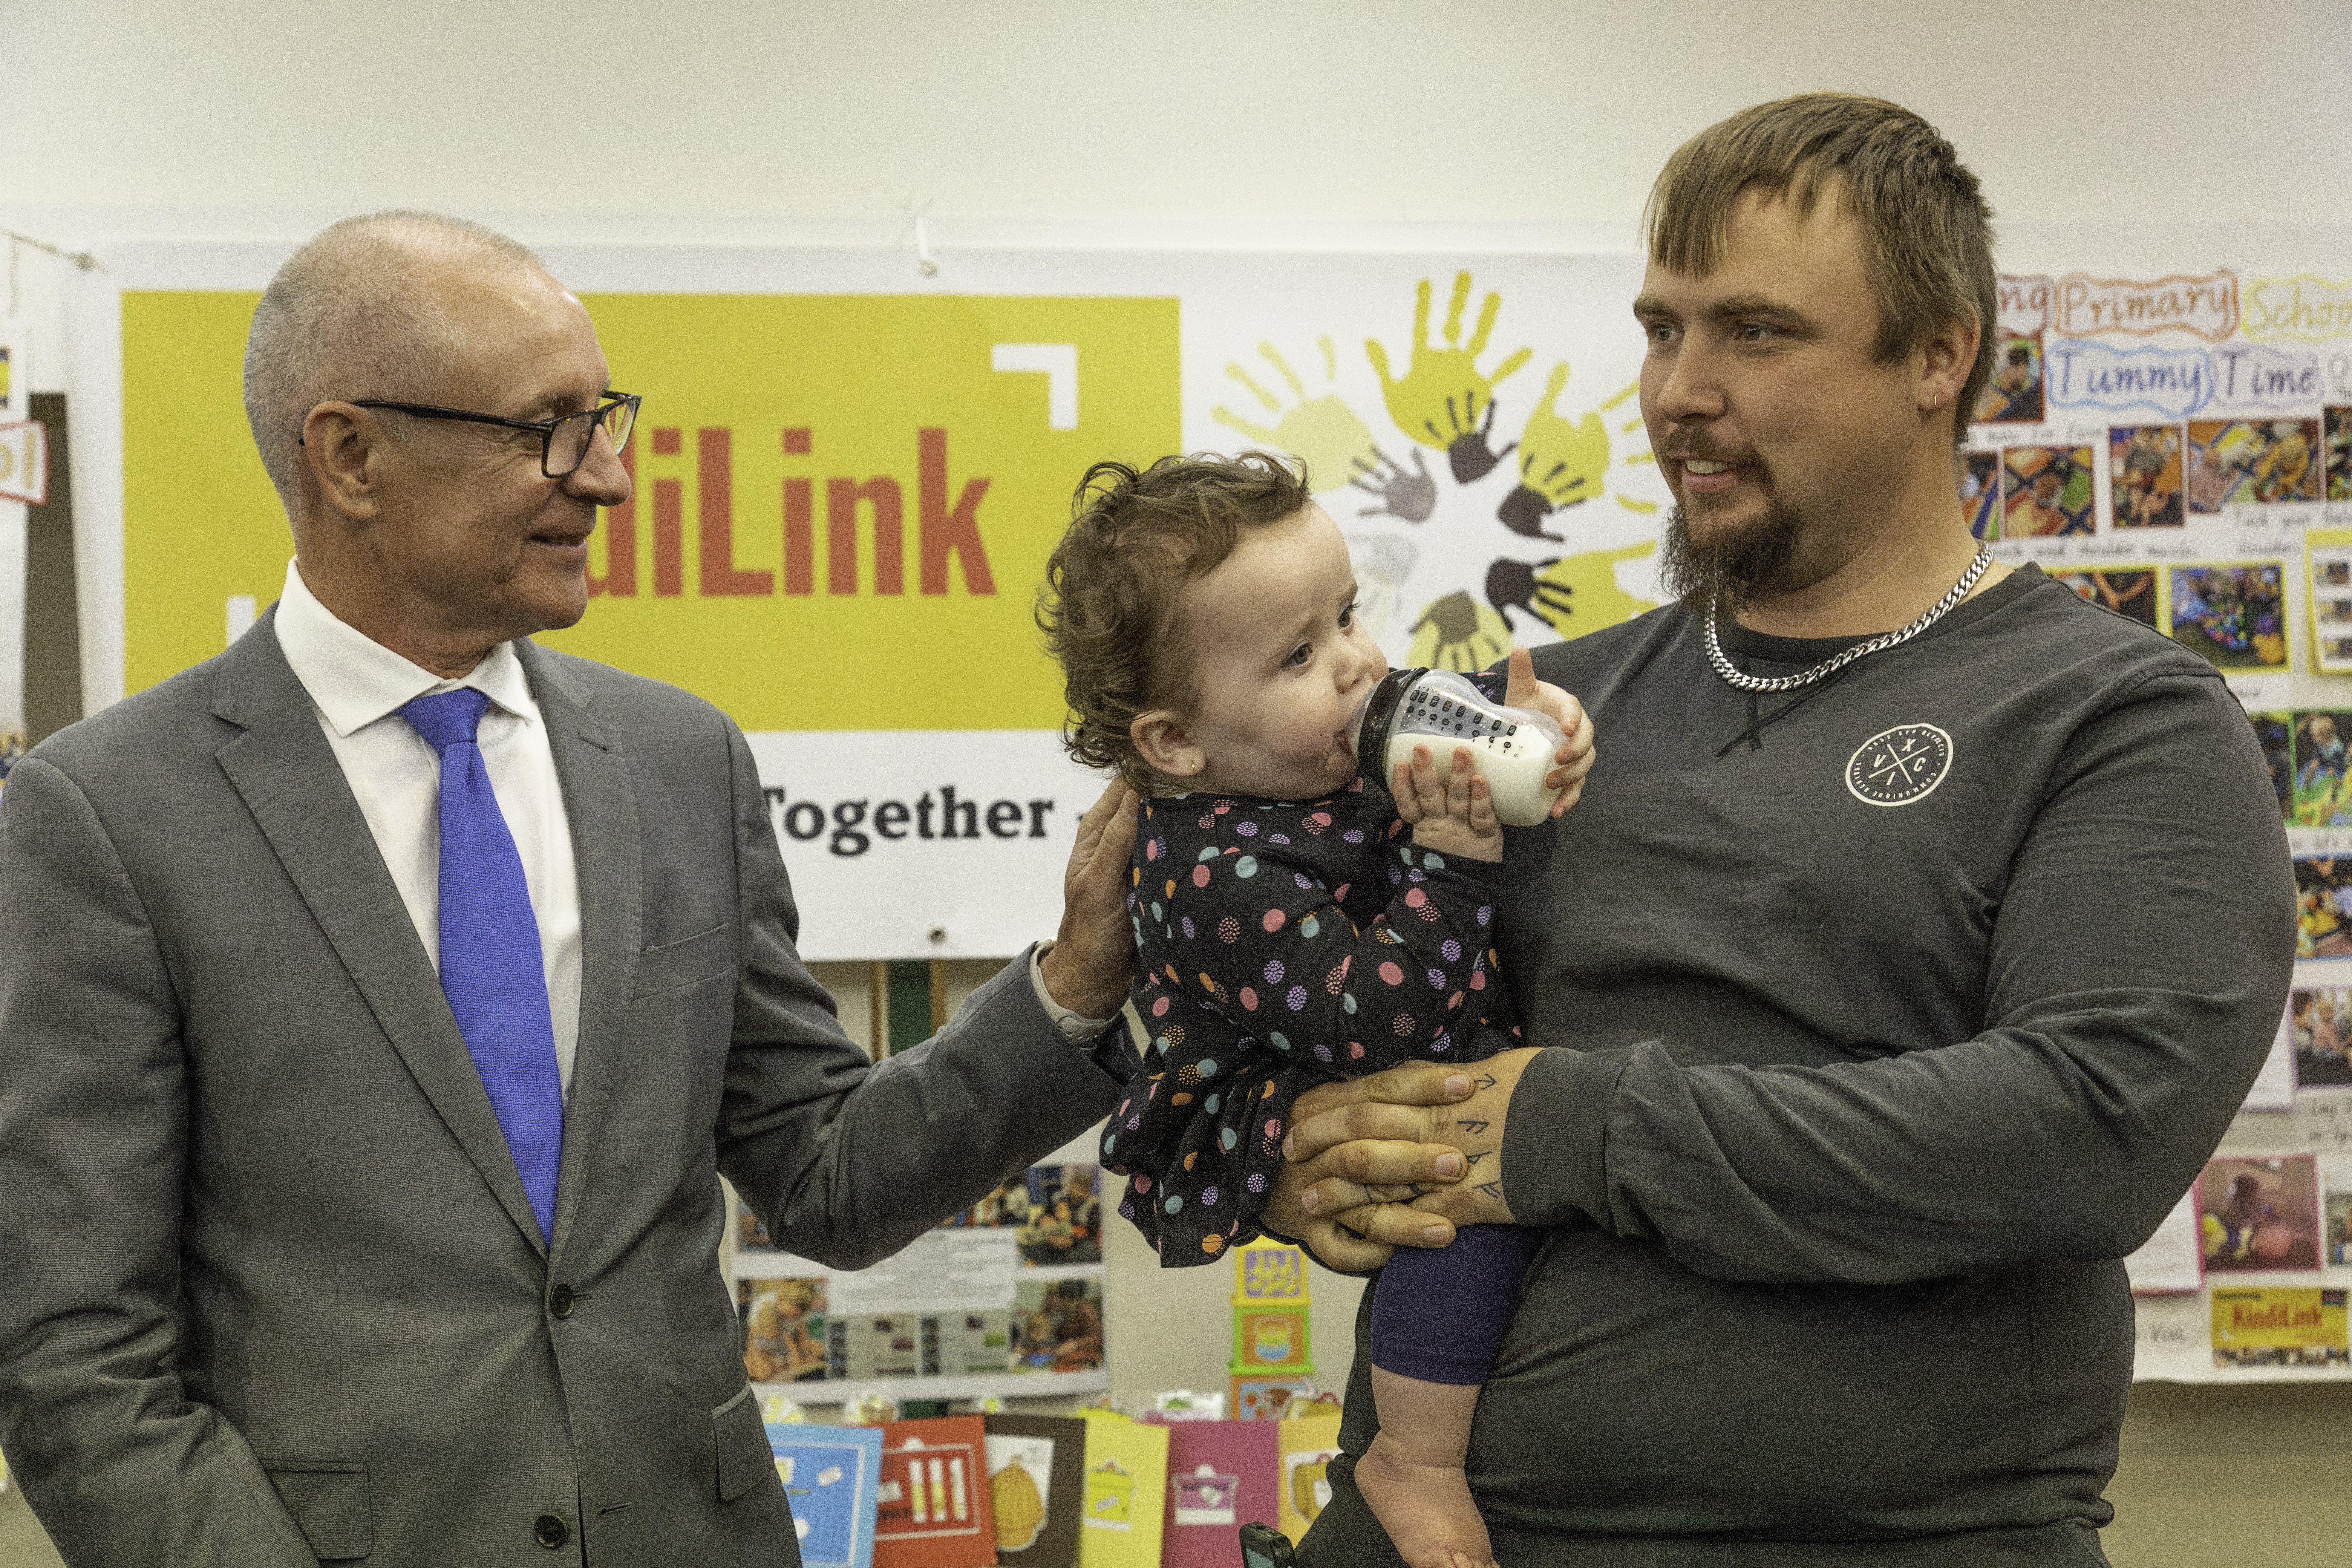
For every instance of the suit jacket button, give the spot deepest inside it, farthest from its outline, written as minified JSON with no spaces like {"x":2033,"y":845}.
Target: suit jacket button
{"x":551,"y":1531}
{"x":560,"y":1304}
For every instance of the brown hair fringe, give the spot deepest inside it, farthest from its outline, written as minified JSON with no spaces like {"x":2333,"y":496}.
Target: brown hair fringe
{"x":1927,"y":232}
{"x":1111,"y":609}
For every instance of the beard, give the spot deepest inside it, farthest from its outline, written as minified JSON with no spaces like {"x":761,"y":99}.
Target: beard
{"x":1740,"y":565}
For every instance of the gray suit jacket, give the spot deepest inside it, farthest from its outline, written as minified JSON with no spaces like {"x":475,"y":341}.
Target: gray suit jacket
{"x":269,"y":1288}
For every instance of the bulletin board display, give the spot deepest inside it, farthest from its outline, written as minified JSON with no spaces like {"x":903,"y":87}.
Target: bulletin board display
{"x":2178,"y":449}
{"x":1005,"y":1297}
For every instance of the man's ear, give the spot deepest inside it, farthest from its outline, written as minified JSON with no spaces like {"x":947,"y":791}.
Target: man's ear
{"x":1167,"y":750}
{"x":345,"y":451}
{"x":1949,"y":354}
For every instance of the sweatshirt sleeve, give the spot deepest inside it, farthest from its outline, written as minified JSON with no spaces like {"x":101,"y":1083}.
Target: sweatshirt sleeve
{"x":2138,"y":972}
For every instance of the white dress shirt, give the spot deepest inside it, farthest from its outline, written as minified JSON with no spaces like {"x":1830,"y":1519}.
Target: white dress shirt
{"x":358,"y":687}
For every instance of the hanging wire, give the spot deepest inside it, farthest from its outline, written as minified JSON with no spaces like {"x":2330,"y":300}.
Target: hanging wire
{"x":914,"y":225}
{"x":80,"y":259}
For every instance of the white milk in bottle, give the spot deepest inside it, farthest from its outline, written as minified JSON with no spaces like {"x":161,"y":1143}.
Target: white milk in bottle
{"x":1510,"y":748}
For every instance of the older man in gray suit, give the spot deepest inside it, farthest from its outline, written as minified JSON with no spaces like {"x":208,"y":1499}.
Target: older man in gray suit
{"x":381,"y":1000}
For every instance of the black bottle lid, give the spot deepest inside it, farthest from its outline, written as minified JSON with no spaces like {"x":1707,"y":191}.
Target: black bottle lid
{"x":1380,"y":710}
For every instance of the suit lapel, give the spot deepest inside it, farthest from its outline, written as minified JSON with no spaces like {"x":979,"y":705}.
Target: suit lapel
{"x":294,"y":787}
{"x":602,"y":808}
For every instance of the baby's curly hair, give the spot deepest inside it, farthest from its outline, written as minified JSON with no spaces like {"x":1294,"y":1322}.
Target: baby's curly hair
{"x":1112,"y":607}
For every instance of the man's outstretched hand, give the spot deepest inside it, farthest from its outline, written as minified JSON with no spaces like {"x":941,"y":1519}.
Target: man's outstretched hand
{"x":1086,"y":971}
{"x":1396,"y":1159}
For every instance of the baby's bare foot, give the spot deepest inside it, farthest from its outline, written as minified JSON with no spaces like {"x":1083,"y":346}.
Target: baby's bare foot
{"x":1427,"y":1509}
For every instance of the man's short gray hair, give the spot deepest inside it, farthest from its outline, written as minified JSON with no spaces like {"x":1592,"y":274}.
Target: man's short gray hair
{"x":352,"y":314}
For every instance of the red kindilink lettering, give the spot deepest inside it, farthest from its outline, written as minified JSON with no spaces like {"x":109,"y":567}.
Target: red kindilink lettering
{"x":715,"y":506}
{"x":669,"y":548}
{"x":840,"y":501}
{"x":945,"y":529}
{"x":800,"y":550}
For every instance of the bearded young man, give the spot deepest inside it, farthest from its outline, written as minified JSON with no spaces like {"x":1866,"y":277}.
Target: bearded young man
{"x":1920,"y":929}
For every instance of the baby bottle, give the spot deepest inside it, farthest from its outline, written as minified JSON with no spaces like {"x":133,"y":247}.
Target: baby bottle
{"x":1510,"y":748}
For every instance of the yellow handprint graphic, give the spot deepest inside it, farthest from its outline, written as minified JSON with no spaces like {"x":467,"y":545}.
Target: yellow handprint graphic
{"x":1561,"y":464}
{"x":1443,"y":400}
{"x":1457,"y":632}
{"x":1323,"y":432}
{"x":1579,"y":588}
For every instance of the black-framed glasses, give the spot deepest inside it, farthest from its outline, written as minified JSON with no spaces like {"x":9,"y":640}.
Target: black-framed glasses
{"x":563,"y":441}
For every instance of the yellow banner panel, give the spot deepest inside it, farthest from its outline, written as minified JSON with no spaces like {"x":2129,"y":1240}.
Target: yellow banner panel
{"x":843,"y":503}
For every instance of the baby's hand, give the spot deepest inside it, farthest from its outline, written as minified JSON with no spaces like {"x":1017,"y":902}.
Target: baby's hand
{"x":1456,"y":817}
{"x":1574,"y":758}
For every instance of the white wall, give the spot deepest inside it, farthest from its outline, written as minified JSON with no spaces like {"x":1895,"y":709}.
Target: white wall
{"x":1094,"y":121}
{"x":2157,"y":133}
{"x":2162,"y":133}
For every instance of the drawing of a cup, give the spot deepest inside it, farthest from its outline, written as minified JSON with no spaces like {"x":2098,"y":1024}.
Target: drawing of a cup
{"x":1110,"y":1497}
{"x":1207,"y":1497}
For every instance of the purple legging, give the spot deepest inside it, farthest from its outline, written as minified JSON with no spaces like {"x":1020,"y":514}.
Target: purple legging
{"x":1439,"y":1315}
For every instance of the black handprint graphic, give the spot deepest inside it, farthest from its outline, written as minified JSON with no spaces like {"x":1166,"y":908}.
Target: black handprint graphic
{"x":1513,"y":585}
{"x":1457,"y":632}
{"x":1467,"y":451}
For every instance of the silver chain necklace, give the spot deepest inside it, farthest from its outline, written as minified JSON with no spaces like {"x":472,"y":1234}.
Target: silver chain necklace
{"x":1830,"y":665}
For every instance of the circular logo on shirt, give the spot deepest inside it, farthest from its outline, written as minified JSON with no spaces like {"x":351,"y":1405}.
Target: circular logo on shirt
{"x":1897,"y":766}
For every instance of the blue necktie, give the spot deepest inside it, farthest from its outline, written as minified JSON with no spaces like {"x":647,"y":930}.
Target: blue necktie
{"x":490,"y":961}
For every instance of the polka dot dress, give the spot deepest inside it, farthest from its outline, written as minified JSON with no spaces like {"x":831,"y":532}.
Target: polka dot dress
{"x":1283,"y":944}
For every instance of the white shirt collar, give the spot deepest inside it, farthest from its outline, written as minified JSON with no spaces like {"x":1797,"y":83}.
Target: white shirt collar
{"x":356,"y":680}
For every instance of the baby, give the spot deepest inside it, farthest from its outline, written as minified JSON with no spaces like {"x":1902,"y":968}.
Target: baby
{"x":1290,"y":929}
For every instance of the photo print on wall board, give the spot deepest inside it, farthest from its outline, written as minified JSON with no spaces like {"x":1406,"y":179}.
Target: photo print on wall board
{"x":2131,"y":593}
{"x":2321,"y":1030}
{"x":2045,"y":491}
{"x":2323,"y":758}
{"x":2143,"y":464}
{"x":2327,"y":587}
{"x":2279,"y":1327}
{"x":2237,"y":462}
{"x":1979,"y":476}
{"x":783,"y":1329}
{"x":2012,"y":395}
{"x":2323,"y":905}
{"x":2234,"y":614}
{"x":2274,"y":734}
{"x":2260,"y":1214}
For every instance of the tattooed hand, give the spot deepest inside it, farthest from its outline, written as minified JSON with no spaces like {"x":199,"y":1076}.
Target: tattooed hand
{"x":1387,"y":1156}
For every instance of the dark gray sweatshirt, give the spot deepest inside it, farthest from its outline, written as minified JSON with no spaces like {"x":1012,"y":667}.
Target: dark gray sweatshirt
{"x":1891,"y":1015}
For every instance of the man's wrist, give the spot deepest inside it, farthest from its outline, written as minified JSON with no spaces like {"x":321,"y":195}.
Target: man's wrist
{"x":1077,"y":1022}
{"x":1555,"y":1152}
